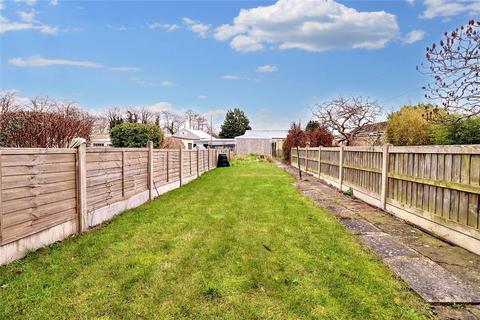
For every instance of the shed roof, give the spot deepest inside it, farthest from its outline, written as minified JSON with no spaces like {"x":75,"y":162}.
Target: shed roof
{"x":264,"y":134}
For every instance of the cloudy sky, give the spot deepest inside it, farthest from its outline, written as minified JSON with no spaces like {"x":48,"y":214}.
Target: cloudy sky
{"x":275,"y":60}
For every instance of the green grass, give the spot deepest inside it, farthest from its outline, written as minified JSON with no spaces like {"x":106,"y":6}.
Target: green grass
{"x":238,"y":243}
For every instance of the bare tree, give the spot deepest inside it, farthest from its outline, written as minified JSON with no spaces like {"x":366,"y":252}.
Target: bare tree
{"x":347,"y":116}
{"x":114,"y":116}
{"x":454,"y":65}
{"x":172,"y":122}
{"x":146,"y":115}
{"x":7,"y":102}
{"x":132,"y":116}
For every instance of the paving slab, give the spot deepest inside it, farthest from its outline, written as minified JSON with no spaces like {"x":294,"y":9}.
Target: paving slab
{"x":386,"y":246}
{"x":359,"y":226}
{"x":432,"y":282}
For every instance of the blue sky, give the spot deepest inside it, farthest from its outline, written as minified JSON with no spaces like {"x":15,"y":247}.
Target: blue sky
{"x":274,"y":60}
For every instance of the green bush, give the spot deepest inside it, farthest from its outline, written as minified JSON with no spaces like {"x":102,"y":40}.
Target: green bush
{"x":456,"y":131}
{"x":408,"y":127}
{"x":135,"y":135}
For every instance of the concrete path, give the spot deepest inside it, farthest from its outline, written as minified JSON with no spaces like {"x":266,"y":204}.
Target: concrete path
{"x":442,"y":274}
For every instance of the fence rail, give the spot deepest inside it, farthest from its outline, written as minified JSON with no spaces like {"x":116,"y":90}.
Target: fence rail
{"x":434,"y":187}
{"x":49,"y":194}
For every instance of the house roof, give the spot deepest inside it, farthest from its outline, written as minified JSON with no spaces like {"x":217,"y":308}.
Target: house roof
{"x":192,"y":134}
{"x":264,"y":134}
{"x":377,"y":128}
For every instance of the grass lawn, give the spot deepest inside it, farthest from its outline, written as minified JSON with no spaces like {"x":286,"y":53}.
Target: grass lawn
{"x":238,"y":243}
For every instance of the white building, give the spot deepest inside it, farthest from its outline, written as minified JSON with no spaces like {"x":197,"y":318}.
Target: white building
{"x":269,"y":142}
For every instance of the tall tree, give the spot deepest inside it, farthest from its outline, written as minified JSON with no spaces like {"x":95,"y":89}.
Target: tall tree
{"x":454,"y":65}
{"x":235,"y":124}
{"x":312,"y":125}
{"x":347,"y":116}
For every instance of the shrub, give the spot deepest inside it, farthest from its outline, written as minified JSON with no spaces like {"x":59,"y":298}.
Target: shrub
{"x":49,"y":129}
{"x":289,"y":142}
{"x":456,"y":131}
{"x":408,"y":126}
{"x":320,"y":136}
{"x":136,"y":135}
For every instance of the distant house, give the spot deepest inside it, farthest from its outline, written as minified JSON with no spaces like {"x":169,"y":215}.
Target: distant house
{"x":269,"y":142}
{"x":100,"y":140}
{"x":371,"y":135}
{"x":192,"y":138}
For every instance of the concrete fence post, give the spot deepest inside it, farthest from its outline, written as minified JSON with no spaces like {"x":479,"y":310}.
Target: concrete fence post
{"x":150,"y":169}
{"x":168,"y":167}
{"x":124,"y":164}
{"x":180,"y":173}
{"x":384,"y":187}
{"x":319,"y":160}
{"x":208,"y":153}
{"x":82,"y":187}
{"x":340,"y":169}
{"x":306,"y":159}
{"x":198,"y":165}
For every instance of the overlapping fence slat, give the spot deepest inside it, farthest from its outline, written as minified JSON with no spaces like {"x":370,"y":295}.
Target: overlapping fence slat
{"x":435,"y":187}
{"x":49,"y":194}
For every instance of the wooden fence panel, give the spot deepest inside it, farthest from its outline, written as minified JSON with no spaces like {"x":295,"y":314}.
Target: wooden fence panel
{"x":136,"y":172}
{"x":104,"y":178}
{"x":160,"y":167}
{"x":363,"y":170}
{"x":442,"y":187}
{"x":38,"y":191}
{"x":330,"y":162}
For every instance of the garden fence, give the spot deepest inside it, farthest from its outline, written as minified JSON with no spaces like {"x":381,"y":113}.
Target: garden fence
{"x":48,"y":194}
{"x":434,"y":187}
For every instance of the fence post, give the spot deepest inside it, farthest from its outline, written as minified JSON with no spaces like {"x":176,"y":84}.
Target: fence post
{"x":124,"y":163}
{"x":1,"y":213}
{"x":150,"y":169}
{"x":384,"y":187}
{"x":306,"y":159}
{"x":228,"y":154}
{"x":208,"y":153}
{"x":215,"y":160}
{"x":168,"y":175}
{"x":181,"y":167}
{"x":319,"y":159}
{"x":198,"y":166}
{"x":82,"y":187}
{"x":340,"y":169}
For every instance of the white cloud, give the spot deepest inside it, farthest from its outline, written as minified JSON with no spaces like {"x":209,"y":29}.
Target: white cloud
{"x":233,"y":77}
{"x":414,"y":36}
{"x":163,"y":83}
{"x":411,"y":2}
{"x":27,"y":2}
{"x":202,"y":97}
{"x":124,"y":69}
{"x":165,"y":26}
{"x":7,"y":26}
{"x":199,"y":28}
{"x":1,"y":5}
{"x":161,"y":106}
{"x":267,"y":68}
{"x":308,"y":25}
{"x":450,"y":8}
{"x":27,"y":16}
{"x":39,"y":61}
{"x":53,"y":2}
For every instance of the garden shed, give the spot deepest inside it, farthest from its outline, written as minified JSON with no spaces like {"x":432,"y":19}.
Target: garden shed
{"x":268,"y":142}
